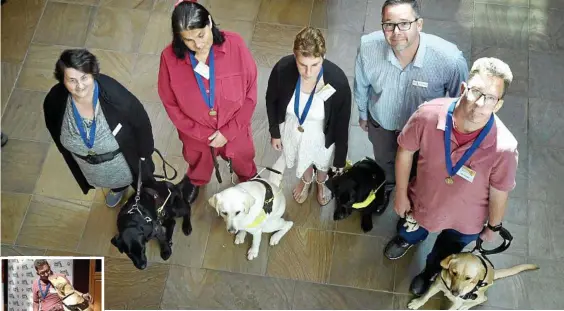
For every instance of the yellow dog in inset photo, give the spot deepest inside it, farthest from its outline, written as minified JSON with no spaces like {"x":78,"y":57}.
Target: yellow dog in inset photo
{"x":72,"y":299}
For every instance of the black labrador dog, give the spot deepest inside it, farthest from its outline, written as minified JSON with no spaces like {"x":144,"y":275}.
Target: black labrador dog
{"x":141,"y":222}
{"x":354,"y":186}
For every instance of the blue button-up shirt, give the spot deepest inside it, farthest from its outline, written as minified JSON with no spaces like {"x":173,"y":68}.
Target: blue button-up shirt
{"x":392,"y":94}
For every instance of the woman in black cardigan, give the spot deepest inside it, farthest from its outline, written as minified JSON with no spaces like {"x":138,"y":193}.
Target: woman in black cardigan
{"x":100,"y":128}
{"x":308,"y":102}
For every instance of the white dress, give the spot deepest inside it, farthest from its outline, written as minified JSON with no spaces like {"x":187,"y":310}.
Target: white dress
{"x":307,"y":147}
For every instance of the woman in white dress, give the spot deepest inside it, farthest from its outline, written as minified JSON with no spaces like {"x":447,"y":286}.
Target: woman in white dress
{"x":308,"y":102}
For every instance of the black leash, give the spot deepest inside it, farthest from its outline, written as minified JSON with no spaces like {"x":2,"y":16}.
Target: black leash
{"x":165,"y":163}
{"x":216,"y":165}
{"x":507,"y":238}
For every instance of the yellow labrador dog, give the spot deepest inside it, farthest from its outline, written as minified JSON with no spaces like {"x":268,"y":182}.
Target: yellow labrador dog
{"x":254,"y":206}
{"x":71,"y":298}
{"x":464,"y":280}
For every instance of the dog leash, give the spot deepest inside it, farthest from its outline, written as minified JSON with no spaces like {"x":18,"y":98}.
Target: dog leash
{"x":165,"y":164}
{"x":505,"y":235}
{"x":135,"y":206}
{"x":216,"y":165}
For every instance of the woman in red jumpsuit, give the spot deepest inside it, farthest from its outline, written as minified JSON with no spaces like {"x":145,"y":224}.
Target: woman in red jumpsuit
{"x":208,"y":86}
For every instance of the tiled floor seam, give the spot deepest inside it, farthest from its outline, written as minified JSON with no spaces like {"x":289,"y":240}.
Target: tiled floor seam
{"x":32,"y":194}
{"x":25,"y":57}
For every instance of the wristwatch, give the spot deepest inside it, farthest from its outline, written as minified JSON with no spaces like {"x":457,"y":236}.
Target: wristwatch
{"x":494,"y":228}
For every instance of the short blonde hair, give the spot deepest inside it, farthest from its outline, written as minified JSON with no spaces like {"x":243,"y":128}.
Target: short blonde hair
{"x":309,"y":42}
{"x":493,"y":67}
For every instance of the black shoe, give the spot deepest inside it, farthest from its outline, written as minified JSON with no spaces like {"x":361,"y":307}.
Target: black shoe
{"x":396,"y":248}
{"x":194,"y":194}
{"x":421,"y":283}
{"x":189,"y":191}
{"x":388,"y":188}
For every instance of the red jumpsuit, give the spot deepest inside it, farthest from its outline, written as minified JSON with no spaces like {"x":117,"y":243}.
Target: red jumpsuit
{"x":235,"y":101}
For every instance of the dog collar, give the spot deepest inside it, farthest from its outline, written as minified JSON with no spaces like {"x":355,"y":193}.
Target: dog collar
{"x":371,"y":196}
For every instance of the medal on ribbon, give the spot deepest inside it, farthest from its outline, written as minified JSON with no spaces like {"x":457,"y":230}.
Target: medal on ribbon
{"x":301,"y":119}
{"x":468,"y":153}
{"x":88,"y":140}
{"x":208,"y":97}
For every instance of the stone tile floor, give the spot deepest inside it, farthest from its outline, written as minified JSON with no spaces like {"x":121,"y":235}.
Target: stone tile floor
{"x":320,"y":263}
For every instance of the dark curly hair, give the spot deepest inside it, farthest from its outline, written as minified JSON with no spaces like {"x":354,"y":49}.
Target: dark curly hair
{"x":79,"y":59}
{"x":191,"y":15}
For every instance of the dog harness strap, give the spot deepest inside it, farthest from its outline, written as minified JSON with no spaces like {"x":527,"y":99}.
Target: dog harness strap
{"x":258,"y":220}
{"x":78,"y":307}
{"x":268,"y":196}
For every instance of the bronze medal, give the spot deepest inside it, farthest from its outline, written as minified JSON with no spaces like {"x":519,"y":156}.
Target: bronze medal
{"x":301,"y":129}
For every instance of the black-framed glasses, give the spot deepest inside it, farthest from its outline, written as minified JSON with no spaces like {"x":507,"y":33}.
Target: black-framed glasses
{"x":403,"y":26}
{"x":477,"y":94}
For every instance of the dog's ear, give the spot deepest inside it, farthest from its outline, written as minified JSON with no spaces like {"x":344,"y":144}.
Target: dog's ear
{"x":249,"y":201}
{"x":116,"y":241}
{"x":214,"y":202}
{"x":445,"y":263}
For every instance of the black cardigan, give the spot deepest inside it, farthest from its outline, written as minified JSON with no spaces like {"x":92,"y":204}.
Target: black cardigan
{"x":135,"y":139}
{"x":281,"y":86}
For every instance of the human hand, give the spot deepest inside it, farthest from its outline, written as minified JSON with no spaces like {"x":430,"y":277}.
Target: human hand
{"x":276,"y":143}
{"x":401,"y":204}
{"x":363,"y":124}
{"x":487,"y":234}
{"x":217,"y":140}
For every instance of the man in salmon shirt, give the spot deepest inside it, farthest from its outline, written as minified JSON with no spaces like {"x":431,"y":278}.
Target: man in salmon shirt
{"x":43,"y":291}
{"x":466,"y":169}
{"x":208,"y":86}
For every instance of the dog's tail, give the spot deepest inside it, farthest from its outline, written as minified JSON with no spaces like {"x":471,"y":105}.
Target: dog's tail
{"x":279,"y":166}
{"x":503,"y":273}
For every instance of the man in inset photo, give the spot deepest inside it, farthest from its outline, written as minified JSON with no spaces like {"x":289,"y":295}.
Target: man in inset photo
{"x":45,"y":296}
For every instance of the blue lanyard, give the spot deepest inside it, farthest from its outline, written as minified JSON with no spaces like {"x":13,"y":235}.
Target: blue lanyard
{"x":448,"y":130}
{"x":309,"y":101}
{"x":208,"y":98}
{"x":43,"y":294}
{"x":88,"y":141}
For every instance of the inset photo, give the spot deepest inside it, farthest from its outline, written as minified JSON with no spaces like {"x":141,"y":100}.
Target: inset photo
{"x":52,"y":283}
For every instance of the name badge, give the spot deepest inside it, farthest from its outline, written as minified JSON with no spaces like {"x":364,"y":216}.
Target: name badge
{"x":466,"y":173}
{"x":326,"y":92}
{"x":203,"y":70}
{"x":116,"y":130}
{"x":420,"y":83}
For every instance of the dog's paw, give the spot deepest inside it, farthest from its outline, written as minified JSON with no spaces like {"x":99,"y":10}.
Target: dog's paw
{"x":165,"y":254}
{"x":240,"y":237}
{"x":366,"y":226}
{"x":186,"y":228}
{"x":275,"y":239}
{"x":252,"y":254}
{"x":415,"y":304}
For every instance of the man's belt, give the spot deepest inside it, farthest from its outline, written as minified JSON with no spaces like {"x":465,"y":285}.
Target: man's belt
{"x":99,"y":158}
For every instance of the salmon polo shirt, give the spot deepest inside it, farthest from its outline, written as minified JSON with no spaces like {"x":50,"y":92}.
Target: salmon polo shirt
{"x":463,"y":205}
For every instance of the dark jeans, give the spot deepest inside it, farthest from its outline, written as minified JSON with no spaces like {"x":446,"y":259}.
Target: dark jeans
{"x":385,"y":147}
{"x":448,"y":242}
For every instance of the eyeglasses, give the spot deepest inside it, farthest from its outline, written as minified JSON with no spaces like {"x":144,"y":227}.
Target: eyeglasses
{"x":488,"y":99}
{"x":403,"y":26}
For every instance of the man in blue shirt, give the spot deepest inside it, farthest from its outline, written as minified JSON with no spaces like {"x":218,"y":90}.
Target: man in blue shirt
{"x":397,"y":69}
